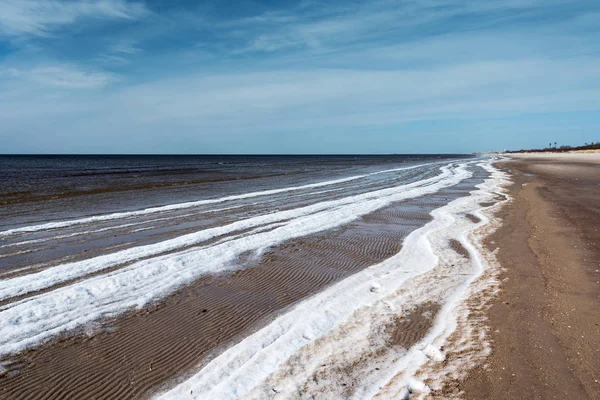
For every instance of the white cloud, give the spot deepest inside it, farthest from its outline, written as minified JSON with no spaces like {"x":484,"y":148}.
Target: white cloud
{"x":325,"y":97}
{"x":62,"y":75}
{"x":41,"y":17}
{"x":332,"y":26}
{"x":112,"y":59}
{"x":316,"y":95}
{"x":367,"y":76}
{"x":126,"y":47}
{"x":215,"y":108}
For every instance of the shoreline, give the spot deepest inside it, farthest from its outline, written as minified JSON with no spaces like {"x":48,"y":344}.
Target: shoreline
{"x":360,"y":365}
{"x":534,"y":306}
{"x":136,"y":353}
{"x":544,"y":324}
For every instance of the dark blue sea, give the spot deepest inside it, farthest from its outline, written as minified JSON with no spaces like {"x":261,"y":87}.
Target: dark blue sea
{"x":48,"y":187}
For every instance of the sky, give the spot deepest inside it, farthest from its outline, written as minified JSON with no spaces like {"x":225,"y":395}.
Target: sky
{"x":297,"y":77}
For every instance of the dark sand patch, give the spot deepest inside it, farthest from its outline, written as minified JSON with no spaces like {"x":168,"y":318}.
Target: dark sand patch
{"x":407,"y":330}
{"x":150,"y":347}
{"x":402,"y":331}
{"x":142,"y":350}
{"x":459,"y":248}
{"x":474,"y":219}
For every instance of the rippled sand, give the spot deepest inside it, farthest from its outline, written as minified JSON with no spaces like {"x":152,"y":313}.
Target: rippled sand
{"x":132,"y":303}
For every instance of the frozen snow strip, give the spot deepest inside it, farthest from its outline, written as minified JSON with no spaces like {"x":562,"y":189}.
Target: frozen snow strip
{"x":388,"y":182}
{"x":244,"y":366}
{"x":16,"y":253}
{"x":259,"y":229}
{"x":61,"y":273}
{"x":46,"y":239}
{"x":399,"y":377}
{"x":177,"y":206}
{"x":32,"y":321}
{"x":352,"y":341}
{"x":120,"y":226}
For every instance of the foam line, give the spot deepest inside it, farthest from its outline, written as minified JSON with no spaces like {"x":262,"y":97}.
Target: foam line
{"x":302,"y":333}
{"x":178,"y":206}
{"x":62,"y":273}
{"x":32,"y":321}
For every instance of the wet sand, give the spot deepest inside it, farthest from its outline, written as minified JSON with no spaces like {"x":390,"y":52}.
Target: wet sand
{"x":134,"y":355}
{"x":545,"y":323}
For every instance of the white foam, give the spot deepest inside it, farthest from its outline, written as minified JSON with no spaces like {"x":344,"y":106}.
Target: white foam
{"x":335,"y":325}
{"x":33,"y":320}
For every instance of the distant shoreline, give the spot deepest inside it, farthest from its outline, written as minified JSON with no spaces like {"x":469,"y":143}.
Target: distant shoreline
{"x":236,"y":155}
{"x":587,"y":148}
{"x":555,"y":152}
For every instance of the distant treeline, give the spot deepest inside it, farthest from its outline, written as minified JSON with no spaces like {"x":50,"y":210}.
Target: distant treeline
{"x":560,"y":149}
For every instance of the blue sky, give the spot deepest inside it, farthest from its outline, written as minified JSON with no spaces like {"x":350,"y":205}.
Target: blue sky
{"x":430,"y":76}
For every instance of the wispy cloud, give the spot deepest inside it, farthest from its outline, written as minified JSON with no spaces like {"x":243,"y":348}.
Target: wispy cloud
{"x":120,"y":53}
{"x":313,"y":69}
{"x":41,"y":17}
{"x":321,"y":98}
{"x":112,"y":59}
{"x":324,"y":28}
{"x":126,"y":47}
{"x":62,"y":76}
{"x":495,"y":88}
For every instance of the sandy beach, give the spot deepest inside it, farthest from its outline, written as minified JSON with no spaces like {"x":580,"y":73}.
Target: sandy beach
{"x":474,"y":278}
{"x":545,"y":324}
{"x":299,"y":200}
{"x":267,"y":284}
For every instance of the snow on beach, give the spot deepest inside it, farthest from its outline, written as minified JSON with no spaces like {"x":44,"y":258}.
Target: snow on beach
{"x":321,"y":339}
{"x":52,"y":276}
{"x":314,"y":349}
{"x":34,"y":320}
{"x":178,"y":206}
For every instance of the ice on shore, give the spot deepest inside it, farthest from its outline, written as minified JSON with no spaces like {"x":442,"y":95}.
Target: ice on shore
{"x":179,"y":206}
{"x":342,"y":318}
{"x":336,"y":327}
{"x":433,"y":353}
{"x":33,"y":320}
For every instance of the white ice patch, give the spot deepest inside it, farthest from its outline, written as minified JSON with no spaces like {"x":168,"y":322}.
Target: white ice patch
{"x":3,"y":367}
{"x":179,"y":206}
{"x":31,"y":321}
{"x":415,"y":386}
{"x":375,"y":287}
{"x":433,"y":353}
{"x":62,"y":273}
{"x":309,"y":351}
